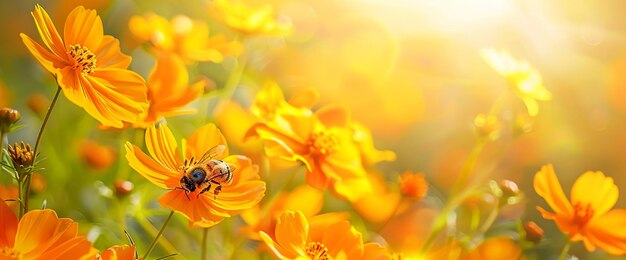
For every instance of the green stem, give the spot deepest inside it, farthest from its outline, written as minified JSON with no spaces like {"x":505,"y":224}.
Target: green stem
{"x":493,"y":215}
{"x":26,"y":189}
{"x":152,"y":231}
{"x":204,"y":251}
{"x":151,"y":247}
{"x":565,"y":249}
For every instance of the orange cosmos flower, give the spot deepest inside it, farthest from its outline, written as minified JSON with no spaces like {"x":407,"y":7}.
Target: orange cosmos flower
{"x":413,"y":185}
{"x":526,"y":79}
{"x":40,"y":234}
{"x":587,"y":216}
{"x":89,"y":66}
{"x":247,"y":20}
{"x":167,"y":167}
{"x":317,"y":238}
{"x":496,"y":248}
{"x":98,"y":157}
{"x":10,"y":192}
{"x":184,"y":37}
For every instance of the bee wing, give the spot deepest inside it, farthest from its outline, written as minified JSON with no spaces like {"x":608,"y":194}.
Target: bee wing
{"x":212,"y":153}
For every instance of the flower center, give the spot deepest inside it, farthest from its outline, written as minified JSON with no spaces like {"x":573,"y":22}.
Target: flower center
{"x":582,"y":214}
{"x":84,"y":59}
{"x":317,"y":251}
{"x":9,"y":252}
{"x":323,"y":143}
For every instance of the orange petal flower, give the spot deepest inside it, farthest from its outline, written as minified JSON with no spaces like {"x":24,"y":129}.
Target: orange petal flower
{"x":89,"y":66}
{"x":587,"y":216}
{"x":495,"y":249}
{"x":10,"y":192}
{"x":40,"y":234}
{"x":189,"y":39}
{"x":98,"y":157}
{"x":413,"y":185}
{"x":317,"y":238}
{"x":247,"y":20}
{"x":165,"y":168}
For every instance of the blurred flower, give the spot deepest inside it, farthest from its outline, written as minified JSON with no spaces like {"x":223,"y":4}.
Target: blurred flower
{"x":526,"y":80}
{"x":169,"y":90}
{"x":38,"y":103}
{"x":40,"y":234}
{"x":270,"y":101}
{"x":370,"y":155}
{"x":184,"y":37}
{"x":10,"y":192}
{"x":587,"y":216}
{"x":123,"y":188}
{"x":5,"y":95}
{"x":323,"y":143}
{"x":260,"y":220}
{"x":89,"y":66}
{"x":297,"y":237}
{"x":37,"y":183}
{"x":413,"y":185}
{"x":380,"y":204}
{"x":247,"y":20}
{"x":98,"y":157}
{"x":166,"y":169}
{"x":235,"y":130}
{"x":534,"y":233}
{"x":487,"y":127}
{"x":8,"y":117}
{"x":496,"y":248}
{"x":118,"y":252}
{"x":522,"y":124}
{"x":22,"y":157}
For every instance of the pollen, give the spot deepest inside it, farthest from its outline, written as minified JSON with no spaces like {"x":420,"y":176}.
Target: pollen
{"x":323,"y":143}
{"x":84,"y":59}
{"x":317,"y":251}
{"x":9,"y":252}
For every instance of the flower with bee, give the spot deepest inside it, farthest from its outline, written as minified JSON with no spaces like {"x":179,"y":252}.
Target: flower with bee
{"x":206,"y":183}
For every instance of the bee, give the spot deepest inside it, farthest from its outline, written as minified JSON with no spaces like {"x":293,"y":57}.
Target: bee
{"x":205,"y":172}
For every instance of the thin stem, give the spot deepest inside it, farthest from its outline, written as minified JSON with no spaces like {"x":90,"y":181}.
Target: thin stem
{"x":493,"y":215}
{"x":565,"y":249}
{"x":26,"y":189}
{"x":204,"y":251}
{"x":151,"y":247}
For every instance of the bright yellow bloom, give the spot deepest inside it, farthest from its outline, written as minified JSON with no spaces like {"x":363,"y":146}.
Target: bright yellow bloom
{"x":260,"y":220}
{"x":40,"y":234}
{"x":89,"y":66}
{"x":380,"y":203}
{"x":248,"y":20}
{"x":169,"y":90}
{"x":119,"y":253}
{"x":184,"y":37}
{"x":167,"y":166}
{"x":526,"y":79}
{"x":316,"y":238}
{"x":587,"y":216}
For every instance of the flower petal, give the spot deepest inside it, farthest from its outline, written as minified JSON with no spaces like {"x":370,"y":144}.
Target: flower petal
{"x":109,"y":54}
{"x":84,"y":27}
{"x":608,"y":232}
{"x":8,"y":223}
{"x":48,"y":32}
{"x":276,"y":249}
{"x":75,"y":248}
{"x":47,"y":59}
{"x":596,"y":190}
{"x":195,"y":208}
{"x":162,"y":146}
{"x":40,"y":230}
{"x":292,"y":232}
{"x":155,"y":172}
{"x":342,"y":237}
{"x":203,"y":139}
{"x":547,"y":186}
{"x":118,"y":252}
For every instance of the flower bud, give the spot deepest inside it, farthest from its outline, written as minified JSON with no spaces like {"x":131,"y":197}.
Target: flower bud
{"x":533,"y":232}
{"x":413,"y":185}
{"x":8,"y":117}
{"x":123,"y":188}
{"x":21,"y":156}
{"x":509,"y":188}
{"x":487,"y":127}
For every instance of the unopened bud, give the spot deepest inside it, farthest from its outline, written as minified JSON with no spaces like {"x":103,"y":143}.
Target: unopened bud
{"x":8,"y":117}
{"x":123,"y":188}
{"x":487,"y":127}
{"x":413,"y":185}
{"x":22,"y":157}
{"x":509,"y":188}
{"x":533,"y":232}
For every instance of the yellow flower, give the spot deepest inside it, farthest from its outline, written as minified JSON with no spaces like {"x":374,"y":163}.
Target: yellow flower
{"x":248,"y":20}
{"x":167,"y":167}
{"x":259,"y":220}
{"x":169,"y":90}
{"x":119,"y":253}
{"x":89,"y":66}
{"x":380,"y":203}
{"x":184,"y":37}
{"x":323,"y":143}
{"x":40,"y":234}
{"x":317,"y":238}
{"x":526,"y":80}
{"x":587,"y":216}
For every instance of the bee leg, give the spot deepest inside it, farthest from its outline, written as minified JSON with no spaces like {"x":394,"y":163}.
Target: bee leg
{"x":204,"y":190}
{"x":217,"y":189}
{"x":187,"y":194}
